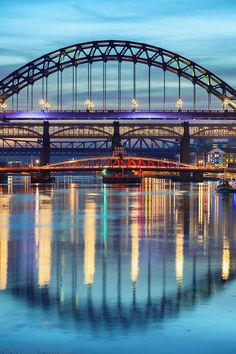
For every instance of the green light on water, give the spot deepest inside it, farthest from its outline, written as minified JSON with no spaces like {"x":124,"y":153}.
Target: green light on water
{"x":105,"y":214}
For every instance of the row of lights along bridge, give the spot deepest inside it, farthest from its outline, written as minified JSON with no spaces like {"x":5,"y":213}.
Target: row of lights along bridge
{"x":90,"y":106}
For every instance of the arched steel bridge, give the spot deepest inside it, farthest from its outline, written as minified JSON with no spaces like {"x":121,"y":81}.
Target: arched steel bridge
{"x":128,"y":130}
{"x":106,"y":51}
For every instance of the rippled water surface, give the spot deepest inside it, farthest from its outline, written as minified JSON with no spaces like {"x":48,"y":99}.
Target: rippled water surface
{"x":87,"y":268}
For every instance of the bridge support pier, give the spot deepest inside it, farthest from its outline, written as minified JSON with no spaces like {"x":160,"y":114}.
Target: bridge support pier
{"x":185,"y":153}
{"x":185,"y":145}
{"x":197,"y":177}
{"x":116,"y":139}
{"x":3,"y":178}
{"x":45,"y":157}
{"x":42,"y":177}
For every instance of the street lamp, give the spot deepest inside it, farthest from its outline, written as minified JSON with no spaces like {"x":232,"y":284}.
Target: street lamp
{"x":45,"y":105}
{"x":225,"y":104}
{"x":90,"y":105}
{"x":179,"y":104}
{"x":3,"y":106}
{"x":134,"y":104}
{"x":37,"y":162}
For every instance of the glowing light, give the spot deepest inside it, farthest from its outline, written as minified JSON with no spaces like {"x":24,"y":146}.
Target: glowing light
{"x":134,"y":104}
{"x":4,"y":245}
{"x":45,"y":105}
{"x":179,"y":104}
{"x":225,"y":259}
{"x":89,"y":243}
{"x":135,"y":243}
{"x":90,"y":105}
{"x":3,"y":106}
{"x":43,"y":236}
{"x":105,"y":214}
{"x":179,"y":258}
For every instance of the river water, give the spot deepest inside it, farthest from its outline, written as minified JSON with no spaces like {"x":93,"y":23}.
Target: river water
{"x":87,"y":268}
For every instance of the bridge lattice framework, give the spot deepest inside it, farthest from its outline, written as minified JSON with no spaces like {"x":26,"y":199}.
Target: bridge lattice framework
{"x":105,"y":131}
{"x":105,"y":51}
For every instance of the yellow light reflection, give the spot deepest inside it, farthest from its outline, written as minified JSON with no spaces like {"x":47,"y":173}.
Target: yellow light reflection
{"x":89,"y":243}
{"x":4,"y":246}
{"x":43,"y":238}
{"x":73,"y":205}
{"x":179,"y":257}
{"x":135,"y":242}
{"x":225,"y":259}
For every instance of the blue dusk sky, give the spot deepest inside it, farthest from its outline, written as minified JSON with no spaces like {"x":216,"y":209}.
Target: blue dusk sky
{"x":204,"y":31}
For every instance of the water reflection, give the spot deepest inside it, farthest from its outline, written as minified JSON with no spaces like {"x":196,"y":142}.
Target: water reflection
{"x":4,"y":234}
{"x":115,"y":256}
{"x":89,"y":241}
{"x":43,"y":237}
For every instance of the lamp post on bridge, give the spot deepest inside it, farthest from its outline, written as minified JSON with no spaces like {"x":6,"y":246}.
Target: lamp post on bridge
{"x":179,"y":104}
{"x":225,"y":104}
{"x":45,"y":105}
{"x":3,"y":106}
{"x":134,"y":104}
{"x":90,"y":105}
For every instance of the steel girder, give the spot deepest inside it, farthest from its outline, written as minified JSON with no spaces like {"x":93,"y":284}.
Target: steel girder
{"x":95,"y":144}
{"x":115,"y":50}
{"x":74,"y":131}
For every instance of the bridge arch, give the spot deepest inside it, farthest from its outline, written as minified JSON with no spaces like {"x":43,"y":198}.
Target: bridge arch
{"x":174,"y":133}
{"x":21,"y":132}
{"x":116,"y":50}
{"x":100,"y":133}
{"x":220,"y":132}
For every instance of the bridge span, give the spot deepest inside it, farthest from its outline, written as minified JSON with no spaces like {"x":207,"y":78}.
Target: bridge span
{"x":139,"y":164}
{"x":128,"y":129}
{"x":111,"y":115}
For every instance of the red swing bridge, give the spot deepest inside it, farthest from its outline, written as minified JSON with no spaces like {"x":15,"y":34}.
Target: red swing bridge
{"x":138,"y":164}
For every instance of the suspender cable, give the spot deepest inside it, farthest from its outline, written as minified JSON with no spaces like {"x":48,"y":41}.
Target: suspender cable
{"x":58,"y":94}
{"x":164,"y":90}
{"x":194,"y":96}
{"x":119,"y":85}
{"x":149,"y":87}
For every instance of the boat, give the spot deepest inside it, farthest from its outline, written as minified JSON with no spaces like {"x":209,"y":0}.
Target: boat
{"x":226,"y":185}
{"x":121,"y":177}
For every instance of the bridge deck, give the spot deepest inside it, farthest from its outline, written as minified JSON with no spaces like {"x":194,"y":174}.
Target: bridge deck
{"x":118,"y":115}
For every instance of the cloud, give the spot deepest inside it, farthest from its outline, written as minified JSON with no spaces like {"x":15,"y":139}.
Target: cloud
{"x":201,"y":31}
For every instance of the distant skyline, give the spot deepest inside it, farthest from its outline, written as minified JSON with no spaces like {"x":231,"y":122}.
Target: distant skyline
{"x":204,"y":31}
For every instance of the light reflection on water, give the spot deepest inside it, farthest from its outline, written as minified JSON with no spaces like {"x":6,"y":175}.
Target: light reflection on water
{"x":100,"y":264}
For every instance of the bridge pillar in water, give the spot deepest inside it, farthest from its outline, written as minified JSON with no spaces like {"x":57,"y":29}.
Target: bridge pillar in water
{"x":3,"y":178}
{"x":185,"y":145}
{"x":117,"y":149}
{"x":185,"y":152}
{"x":116,"y":139}
{"x":45,"y":157}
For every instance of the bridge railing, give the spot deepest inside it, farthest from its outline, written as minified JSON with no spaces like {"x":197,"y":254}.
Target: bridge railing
{"x":120,"y":111}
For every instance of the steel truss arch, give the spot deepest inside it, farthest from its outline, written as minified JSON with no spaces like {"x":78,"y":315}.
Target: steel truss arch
{"x":144,"y":132}
{"x":67,"y":131}
{"x":115,"y":50}
{"x":21,"y":131}
{"x":212,"y":132}
{"x":117,"y":162}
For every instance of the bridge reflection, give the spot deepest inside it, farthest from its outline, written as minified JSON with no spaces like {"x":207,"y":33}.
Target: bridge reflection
{"x":109,"y":258}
